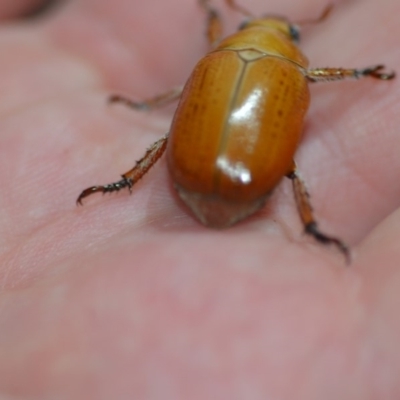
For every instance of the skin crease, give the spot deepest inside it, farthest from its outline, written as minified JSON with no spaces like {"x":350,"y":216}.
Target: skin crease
{"x":128,"y":297}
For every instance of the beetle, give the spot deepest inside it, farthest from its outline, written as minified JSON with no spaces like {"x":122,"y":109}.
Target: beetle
{"x":239,"y":122}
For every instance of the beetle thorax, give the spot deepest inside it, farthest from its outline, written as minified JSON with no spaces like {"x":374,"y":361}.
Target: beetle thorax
{"x":265,"y":39}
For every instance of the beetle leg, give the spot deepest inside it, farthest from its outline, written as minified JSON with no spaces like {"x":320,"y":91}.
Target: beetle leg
{"x":232,"y":4}
{"x":214,"y":23}
{"x":149,"y":104}
{"x":153,"y":153}
{"x":306,"y":214}
{"x":336,"y":74}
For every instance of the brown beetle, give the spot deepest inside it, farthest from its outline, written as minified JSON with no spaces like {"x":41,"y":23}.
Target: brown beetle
{"x":239,"y":122}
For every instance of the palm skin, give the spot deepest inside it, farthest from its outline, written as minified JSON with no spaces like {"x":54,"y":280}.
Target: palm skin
{"x":128,"y":297}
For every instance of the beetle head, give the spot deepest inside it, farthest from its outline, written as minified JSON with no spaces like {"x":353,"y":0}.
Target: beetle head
{"x":278,"y":23}
{"x":283,"y":25}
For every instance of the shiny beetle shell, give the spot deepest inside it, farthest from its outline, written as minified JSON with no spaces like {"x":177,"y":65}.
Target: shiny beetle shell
{"x":238,"y":124}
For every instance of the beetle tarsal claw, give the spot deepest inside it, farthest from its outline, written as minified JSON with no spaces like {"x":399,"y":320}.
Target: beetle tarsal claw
{"x":87,"y":192}
{"x":312,"y":229}
{"x":376,"y":72}
{"x":130,"y":103}
{"x":115,"y":98}
{"x":112,"y":187}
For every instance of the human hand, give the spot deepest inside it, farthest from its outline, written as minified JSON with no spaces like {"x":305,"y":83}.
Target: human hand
{"x":128,"y":297}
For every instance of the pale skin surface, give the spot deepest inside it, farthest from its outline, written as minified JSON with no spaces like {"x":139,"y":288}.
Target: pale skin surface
{"x":128,"y":297}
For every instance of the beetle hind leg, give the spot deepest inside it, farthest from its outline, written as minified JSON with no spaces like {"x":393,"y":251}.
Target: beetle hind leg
{"x":306,"y":214}
{"x":151,"y":156}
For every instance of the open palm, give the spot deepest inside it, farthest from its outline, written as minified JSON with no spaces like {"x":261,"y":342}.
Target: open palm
{"x":128,"y":297}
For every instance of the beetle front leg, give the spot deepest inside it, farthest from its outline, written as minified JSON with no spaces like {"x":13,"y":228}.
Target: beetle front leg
{"x":214,"y":23}
{"x":337,"y":74}
{"x":149,"y":104}
{"x":154,"y":152}
{"x":232,"y":4}
{"x":306,"y":214}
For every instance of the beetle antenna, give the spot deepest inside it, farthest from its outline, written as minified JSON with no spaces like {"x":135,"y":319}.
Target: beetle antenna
{"x":232,"y":4}
{"x":325,"y":13}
